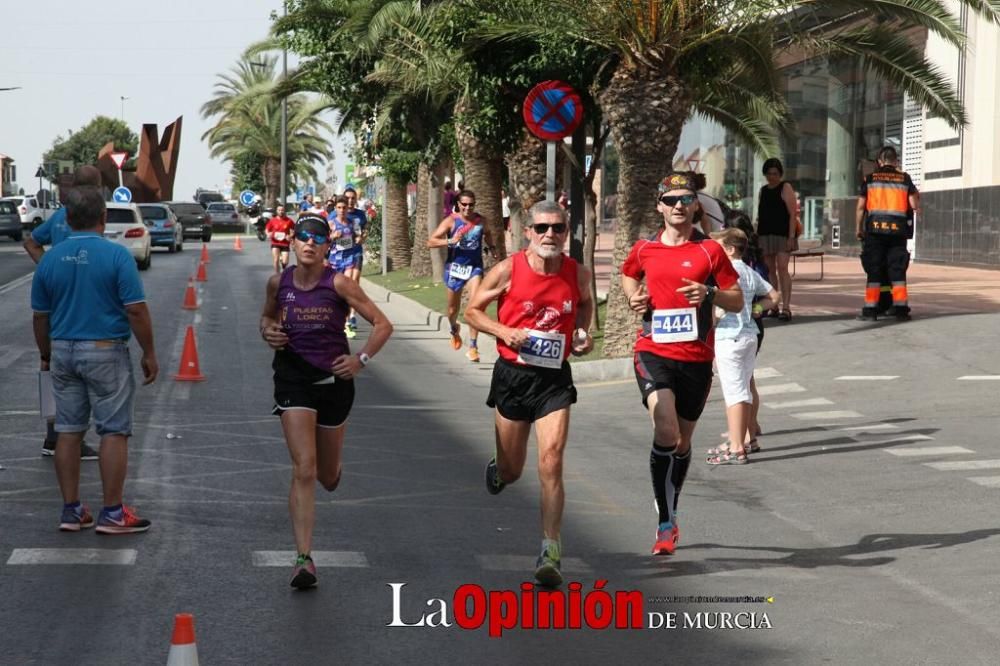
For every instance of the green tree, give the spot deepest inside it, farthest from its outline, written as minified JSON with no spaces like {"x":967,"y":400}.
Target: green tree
{"x":664,"y":59}
{"x":247,"y":109}
{"x":247,"y":172}
{"x":83,"y":145}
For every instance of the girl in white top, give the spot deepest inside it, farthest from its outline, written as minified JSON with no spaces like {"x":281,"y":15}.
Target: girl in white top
{"x":736,"y":349}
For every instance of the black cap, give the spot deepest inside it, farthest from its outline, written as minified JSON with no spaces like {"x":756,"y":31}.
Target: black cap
{"x":313,"y":223}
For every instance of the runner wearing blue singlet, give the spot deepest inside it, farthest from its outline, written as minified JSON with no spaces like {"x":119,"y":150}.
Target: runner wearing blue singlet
{"x":466,"y":236}
{"x":361,"y":228}
{"x":344,"y":239}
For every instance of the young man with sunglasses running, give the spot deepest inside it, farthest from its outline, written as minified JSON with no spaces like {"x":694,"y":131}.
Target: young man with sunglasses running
{"x":465,"y":235}
{"x":544,"y":312}
{"x":685,"y":274}
{"x":314,"y":370}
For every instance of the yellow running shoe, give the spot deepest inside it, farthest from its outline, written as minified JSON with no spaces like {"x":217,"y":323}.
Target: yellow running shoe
{"x":473,"y":354}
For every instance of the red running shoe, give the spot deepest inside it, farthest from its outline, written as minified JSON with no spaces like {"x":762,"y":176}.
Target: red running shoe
{"x":123,"y":521}
{"x":666,"y":540}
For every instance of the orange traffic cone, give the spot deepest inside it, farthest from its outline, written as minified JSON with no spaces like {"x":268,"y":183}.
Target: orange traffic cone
{"x":204,"y":253}
{"x":238,"y":244}
{"x":190,"y":297}
{"x":183,"y":650}
{"x":190,"y":370}
{"x":202,"y":275}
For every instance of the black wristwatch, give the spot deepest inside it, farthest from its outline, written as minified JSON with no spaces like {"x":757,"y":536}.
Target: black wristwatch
{"x":710,"y":295}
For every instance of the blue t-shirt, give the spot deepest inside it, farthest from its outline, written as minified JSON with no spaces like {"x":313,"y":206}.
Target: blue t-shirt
{"x":54,"y":230}
{"x":84,"y":285}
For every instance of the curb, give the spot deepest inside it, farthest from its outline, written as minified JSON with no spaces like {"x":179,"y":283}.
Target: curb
{"x":603,"y":370}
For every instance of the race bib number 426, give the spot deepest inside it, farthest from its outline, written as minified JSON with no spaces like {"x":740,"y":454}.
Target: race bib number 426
{"x":543,"y":349}
{"x":676,"y":325}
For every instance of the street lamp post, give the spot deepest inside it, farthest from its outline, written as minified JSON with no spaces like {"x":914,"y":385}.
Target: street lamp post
{"x":123,"y":98}
{"x":284,"y":123}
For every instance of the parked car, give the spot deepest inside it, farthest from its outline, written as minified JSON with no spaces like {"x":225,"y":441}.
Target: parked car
{"x":10,"y":220}
{"x":223,"y":213}
{"x":125,"y":227}
{"x":32,"y":214}
{"x":164,"y":229}
{"x":195,"y":222}
{"x":205,"y":197}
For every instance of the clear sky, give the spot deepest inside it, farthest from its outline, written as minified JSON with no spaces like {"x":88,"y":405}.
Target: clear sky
{"x":76,"y":60}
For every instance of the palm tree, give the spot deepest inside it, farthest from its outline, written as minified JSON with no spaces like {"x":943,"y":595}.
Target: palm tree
{"x":664,"y":59}
{"x":248,"y":121}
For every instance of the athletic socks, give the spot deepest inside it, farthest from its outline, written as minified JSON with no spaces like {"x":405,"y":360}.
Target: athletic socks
{"x":661,"y":463}
{"x":679,"y":473}
{"x":72,"y":505}
{"x":113,"y":509}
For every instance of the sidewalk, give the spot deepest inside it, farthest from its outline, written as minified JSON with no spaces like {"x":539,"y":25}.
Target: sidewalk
{"x":934,"y":289}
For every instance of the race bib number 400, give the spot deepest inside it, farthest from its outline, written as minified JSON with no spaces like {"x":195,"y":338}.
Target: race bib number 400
{"x":677,"y":325}
{"x":460,"y":271}
{"x":544,"y":349}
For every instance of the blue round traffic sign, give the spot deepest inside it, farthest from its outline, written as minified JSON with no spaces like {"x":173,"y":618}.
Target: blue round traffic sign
{"x":553,"y":110}
{"x":247,"y":197}
{"x":122,"y":195}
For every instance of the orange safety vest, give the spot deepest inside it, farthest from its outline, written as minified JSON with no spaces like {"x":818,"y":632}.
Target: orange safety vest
{"x":887,"y":202}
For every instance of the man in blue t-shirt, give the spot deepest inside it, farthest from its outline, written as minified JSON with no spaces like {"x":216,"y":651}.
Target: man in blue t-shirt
{"x":52,"y":232}
{"x":88,"y":300}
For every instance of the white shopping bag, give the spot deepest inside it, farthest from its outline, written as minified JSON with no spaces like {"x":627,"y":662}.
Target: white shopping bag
{"x":46,"y":396}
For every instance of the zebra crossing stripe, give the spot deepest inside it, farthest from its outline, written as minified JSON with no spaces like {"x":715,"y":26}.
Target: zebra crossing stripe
{"x":865,"y":378}
{"x":819,"y":416}
{"x":778,"y":389}
{"x":979,"y":378}
{"x":987,"y":481}
{"x":765,"y":373}
{"x":964,"y":465}
{"x":929,"y":451}
{"x":124,"y":557}
{"x":321,"y":558}
{"x":809,"y":402}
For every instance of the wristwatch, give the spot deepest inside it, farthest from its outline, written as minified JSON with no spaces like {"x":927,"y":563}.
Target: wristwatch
{"x":364,"y":358}
{"x":710,"y":294}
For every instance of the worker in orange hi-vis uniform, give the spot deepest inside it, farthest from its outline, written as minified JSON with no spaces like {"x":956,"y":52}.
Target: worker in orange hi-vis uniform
{"x":884,"y":224}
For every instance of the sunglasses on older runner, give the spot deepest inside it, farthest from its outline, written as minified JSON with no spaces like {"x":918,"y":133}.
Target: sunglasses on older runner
{"x":542,"y":229}
{"x":671,"y":200}
{"x":306,"y":236}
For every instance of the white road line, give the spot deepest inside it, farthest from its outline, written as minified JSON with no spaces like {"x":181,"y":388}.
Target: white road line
{"x":810,"y":402}
{"x":572,"y":565}
{"x":988,"y":481}
{"x":766,"y":373}
{"x":876,"y":427}
{"x":819,"y":416}
{"x":778,"y":389}
{"x":865,"y":378}
{"x":979,"y":378}
{"x":11,"y":356}
{"x":929,"y":451}
{"x":321,"y":558}
{"x":965,"y":465}
{"x":14,"y":284}
{"x":72,"y":556}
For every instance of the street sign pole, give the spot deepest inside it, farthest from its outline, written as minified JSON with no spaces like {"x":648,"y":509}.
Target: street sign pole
{"x":577,"y":204}
{"x":550,"y":171}
{"x":121,"y":183}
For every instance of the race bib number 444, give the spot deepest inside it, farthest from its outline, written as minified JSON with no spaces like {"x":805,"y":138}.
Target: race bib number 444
{"x":676,"y":325}
{"x":543,"y":349}
{"x":460,"y":271}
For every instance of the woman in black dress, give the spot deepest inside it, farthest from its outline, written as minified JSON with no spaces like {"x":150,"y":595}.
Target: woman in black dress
{"x":777,"y":220}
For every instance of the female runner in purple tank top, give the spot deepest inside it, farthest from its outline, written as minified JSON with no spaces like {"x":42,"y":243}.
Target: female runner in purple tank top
{"x":314,"y":370}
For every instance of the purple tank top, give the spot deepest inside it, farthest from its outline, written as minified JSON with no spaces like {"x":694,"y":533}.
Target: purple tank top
{"x":313,"y":319}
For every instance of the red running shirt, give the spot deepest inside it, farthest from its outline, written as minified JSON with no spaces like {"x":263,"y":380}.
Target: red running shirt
{"x":699,"y":260}
{"x":546,"y":305}
{"x":280,"y":230}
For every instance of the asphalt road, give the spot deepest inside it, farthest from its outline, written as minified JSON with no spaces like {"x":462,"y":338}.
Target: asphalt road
{"x":867,"y":516}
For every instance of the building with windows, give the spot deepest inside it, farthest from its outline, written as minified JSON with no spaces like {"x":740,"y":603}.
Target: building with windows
{"x":843,"y":115}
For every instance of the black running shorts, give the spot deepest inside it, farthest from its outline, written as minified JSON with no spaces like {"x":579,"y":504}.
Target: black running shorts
{"x":689,"y":381}
{"x":527,"y":393}
{"x":331,"y":402}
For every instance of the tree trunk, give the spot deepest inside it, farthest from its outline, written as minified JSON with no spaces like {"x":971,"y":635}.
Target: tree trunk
{"x":271,"y":173}
{"x":397,"y":223}
{"x":483,"y":175}
{"x":435,"y":194}
{"x":590,"y":213}
{"x":420,"y":261}
{"x":526,"y":166}
{"x":645,"y":111}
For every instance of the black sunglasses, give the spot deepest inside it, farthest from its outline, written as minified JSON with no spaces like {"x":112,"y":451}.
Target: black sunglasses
{"x":671,"y":200}
{"x":470,"y":204}
{"x":542,"y":229}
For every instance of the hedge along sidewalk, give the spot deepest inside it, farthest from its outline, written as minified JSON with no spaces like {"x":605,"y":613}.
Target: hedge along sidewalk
{"x":601,"y":370}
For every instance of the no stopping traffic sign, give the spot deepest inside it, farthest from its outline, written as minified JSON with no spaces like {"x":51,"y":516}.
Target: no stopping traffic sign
{"x":553,"y":110}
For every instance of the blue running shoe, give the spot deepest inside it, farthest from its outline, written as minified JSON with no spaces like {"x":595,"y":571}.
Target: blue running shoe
{"x":75,"y":519}
{"x":122,"y":521}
